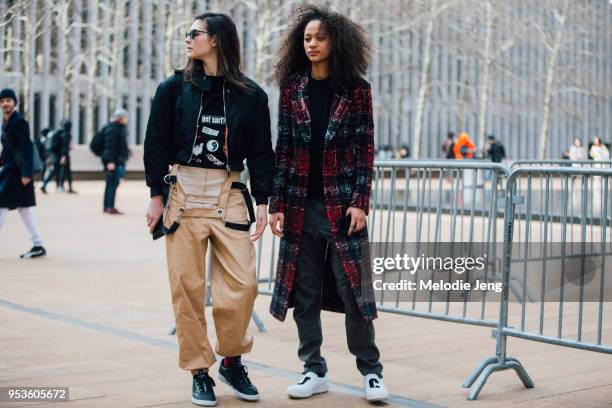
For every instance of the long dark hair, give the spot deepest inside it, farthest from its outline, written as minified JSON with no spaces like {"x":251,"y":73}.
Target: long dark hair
{"x":228,"y":46}
{"x":350,"y":53}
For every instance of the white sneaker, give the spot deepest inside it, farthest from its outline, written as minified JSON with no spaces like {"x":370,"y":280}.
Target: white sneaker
{"x":309,"y":385}
{"x":374,"y":388}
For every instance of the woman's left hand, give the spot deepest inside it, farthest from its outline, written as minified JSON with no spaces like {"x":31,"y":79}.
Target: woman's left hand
{"x":358,"y":219}
{"x":262,"y":221}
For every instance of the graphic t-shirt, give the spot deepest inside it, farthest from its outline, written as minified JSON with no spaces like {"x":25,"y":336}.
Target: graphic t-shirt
{"x":209,"y":149}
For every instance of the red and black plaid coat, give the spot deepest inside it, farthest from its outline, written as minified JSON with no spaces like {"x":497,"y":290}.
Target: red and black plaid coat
{"x":348,"y":161}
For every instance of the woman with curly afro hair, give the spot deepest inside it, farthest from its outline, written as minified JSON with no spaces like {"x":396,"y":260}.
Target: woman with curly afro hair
{"x":321,"y":192}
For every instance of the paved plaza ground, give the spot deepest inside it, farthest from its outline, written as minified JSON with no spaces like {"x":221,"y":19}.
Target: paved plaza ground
{"x":94,"y":316}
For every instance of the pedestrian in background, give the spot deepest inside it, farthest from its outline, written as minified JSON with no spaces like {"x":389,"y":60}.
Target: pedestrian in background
{"x":39,"y":144}
{"x":16,"y":171}
{"x":447,"y":146}
{"x":576,"y":152}
{"x":495,"y":150}
{"x":66,"y":169}
{"x":114,"y":157}
{"x":598,"y":150}
{"x":464,"y":147}
{"x":403,"y":152}
{"x":55,"y":148}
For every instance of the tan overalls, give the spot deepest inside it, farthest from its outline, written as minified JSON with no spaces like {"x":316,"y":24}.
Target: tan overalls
{"x":210,"y":207}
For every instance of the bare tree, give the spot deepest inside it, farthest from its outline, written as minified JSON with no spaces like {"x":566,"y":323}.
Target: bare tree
{"x":565,"y":31}
{"x":422,"y":24}
{"x":499,"y":37}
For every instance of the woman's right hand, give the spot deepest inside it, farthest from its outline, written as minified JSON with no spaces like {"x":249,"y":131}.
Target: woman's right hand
{"x":156,"y":208}
{"x":277,"y":218}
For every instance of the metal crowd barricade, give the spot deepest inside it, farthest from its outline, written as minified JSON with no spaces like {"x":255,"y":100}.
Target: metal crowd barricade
{"x":427,"y":201}
{"x":515,"y":164}
{"x":557,"y":232}
{"x":552,"y":226}
{"x":438,"y":202}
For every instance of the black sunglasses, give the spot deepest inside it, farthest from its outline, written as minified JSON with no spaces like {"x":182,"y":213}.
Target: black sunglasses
{"x":194,"y":33}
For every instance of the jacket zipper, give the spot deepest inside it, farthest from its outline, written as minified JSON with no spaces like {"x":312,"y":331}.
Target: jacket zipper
{"x":227,"y":166}
{"x":196,"y":129}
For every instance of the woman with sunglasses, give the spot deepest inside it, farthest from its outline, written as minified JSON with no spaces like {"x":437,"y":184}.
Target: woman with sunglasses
{"x":205,"y":120}
{"x":321,"y":193}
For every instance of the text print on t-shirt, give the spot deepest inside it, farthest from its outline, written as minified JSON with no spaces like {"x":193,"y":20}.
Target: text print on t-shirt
{"x":207,"y":151}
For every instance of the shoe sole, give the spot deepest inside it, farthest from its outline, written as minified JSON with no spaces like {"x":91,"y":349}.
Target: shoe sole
{"x":33,"y":256}
{"x":240,"y":395}
{"x":320,"y":390}
{"x":203,"y":403}
{"x":377,"y":398}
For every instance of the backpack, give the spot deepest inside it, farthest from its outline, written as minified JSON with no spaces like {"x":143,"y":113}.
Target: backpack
{"x":51,"y":141}
{"x":97,"y":142}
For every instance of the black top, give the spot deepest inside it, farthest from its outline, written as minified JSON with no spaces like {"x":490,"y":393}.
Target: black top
{"x":207,"y":150}
{"x":320,"y":99}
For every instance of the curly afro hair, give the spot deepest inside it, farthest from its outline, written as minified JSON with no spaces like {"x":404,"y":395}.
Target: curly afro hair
{"x":345,"y":67}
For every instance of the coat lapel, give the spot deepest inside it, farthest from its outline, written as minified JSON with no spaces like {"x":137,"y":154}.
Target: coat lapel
{"x":300,"y":108}
{"x":339,"y":108}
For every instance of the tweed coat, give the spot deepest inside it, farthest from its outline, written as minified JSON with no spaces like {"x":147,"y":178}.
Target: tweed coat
{"x":348,"y":160}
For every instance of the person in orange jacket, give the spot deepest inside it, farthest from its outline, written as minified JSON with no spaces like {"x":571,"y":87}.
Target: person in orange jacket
{"x":464,"y":147}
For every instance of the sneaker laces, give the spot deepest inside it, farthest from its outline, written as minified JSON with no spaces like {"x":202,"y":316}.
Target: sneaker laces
{"x":201,"y":385}
{"x":304,"y":378}
{"x":245,"y":375}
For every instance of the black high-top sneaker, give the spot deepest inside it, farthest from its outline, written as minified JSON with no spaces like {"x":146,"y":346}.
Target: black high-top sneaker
{"x":202,"y":392}
{"x":234,"y":374}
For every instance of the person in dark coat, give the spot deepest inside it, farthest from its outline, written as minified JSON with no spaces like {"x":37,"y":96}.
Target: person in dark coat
{"x":16,"y":170}
{"x":59,"y":150}
{"x":66,"y":174}
{"x":56,"y":151}
{"x":114,"y":157}
{"x":321,"y":193}
{"x":448,"y":145}
{"x":495,"y":151}
{"x":39,"y":144}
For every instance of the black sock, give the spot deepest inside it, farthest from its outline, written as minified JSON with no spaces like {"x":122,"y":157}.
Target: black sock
{"x":199,"y":371}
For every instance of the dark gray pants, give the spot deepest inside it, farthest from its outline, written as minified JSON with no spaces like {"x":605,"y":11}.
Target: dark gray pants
{"x":307,"y":311}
